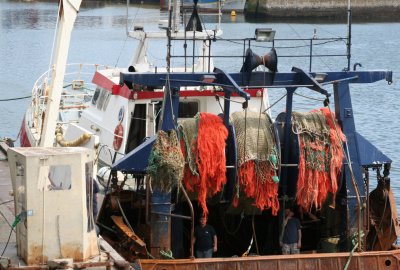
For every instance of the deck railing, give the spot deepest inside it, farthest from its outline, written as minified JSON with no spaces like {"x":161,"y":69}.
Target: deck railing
{"x":76,"y":93}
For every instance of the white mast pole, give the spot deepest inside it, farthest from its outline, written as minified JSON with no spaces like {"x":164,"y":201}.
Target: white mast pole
{"x":67,"y":15}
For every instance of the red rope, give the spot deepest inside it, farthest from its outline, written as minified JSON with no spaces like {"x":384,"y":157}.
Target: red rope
{"x":259,"y":185}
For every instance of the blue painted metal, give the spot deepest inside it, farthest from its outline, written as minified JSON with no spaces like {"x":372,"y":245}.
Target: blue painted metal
{"x":229,"y":88}
{"x":170,"y":108}
{"x":160,"y":225}
{"x":369,"y":155}
{"x":288,"y":79}
{"x":309,"y":80}
{"x":137,"y":160}
{"x":348,"y":194}
{"x":232,"y":163}
{"x":361,"y":152}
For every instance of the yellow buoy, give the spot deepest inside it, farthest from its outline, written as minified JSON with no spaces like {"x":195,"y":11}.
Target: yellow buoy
{"x":233,"y":13}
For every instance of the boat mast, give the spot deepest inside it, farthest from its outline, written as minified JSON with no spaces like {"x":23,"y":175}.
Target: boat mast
{"x":348,"y":34}
{"x":359,"y":208}
{"x":66,"y":18}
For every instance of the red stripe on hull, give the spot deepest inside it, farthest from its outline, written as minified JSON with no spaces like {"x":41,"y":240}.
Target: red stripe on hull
{"x":109,"y":85}
{"x":125,"y":92}
{"x":23,"y":137}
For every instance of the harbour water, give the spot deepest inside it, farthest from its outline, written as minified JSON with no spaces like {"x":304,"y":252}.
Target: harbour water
{"x":26,"y":39}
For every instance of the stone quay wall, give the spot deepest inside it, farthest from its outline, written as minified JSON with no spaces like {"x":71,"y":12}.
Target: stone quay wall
{"x":364,"y":10}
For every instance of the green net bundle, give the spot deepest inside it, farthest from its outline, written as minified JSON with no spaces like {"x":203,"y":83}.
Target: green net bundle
{"x":166,"y":161}
{"x":320,"y":157}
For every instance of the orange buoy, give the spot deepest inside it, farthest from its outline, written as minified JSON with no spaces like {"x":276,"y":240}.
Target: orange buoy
{"x":118,"y":136}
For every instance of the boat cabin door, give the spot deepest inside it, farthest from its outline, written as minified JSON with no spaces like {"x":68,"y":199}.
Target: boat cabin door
{"x":142,"y":125}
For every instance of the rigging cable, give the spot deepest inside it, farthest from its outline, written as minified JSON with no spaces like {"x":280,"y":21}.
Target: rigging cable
{"x":353,"y":180}
{"x":127,"y":31}
{"x":6,"y":202}
{"x":129,"y":225}
{"x":8,"y":241}
{"x":316,"y":99}
{"x":380,"y":223}
{"x":1,"y":213}
{"x":228,"y":230}
{"x":309,"y":46}
{"x":11,"y":99}
{"x":273,"y":104}
{"x":254,"y":235}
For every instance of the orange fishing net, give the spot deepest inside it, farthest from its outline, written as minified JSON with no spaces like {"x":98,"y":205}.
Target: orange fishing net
{"x":337,"y":137}
{"x":259,"y":185}
{"x":208,"y":148}
{"x":321,"y":156}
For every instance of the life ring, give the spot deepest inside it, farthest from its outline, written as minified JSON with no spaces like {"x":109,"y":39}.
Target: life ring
{"x":118,"y":136}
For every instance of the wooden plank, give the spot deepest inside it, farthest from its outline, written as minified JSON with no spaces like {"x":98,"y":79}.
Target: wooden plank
{"x":3,"y":150}
{"x":127,"y":231}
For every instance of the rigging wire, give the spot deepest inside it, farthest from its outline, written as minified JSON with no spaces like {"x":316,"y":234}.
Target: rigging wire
{"x":219,"y":103}
{"x":309,"y":46}
{"x":17,"y":98}
{"x":231,"y":100}
{"x":284,"y":47}
{"x":127,"y":30}
{"x":170,"y":101}
{"x":380,"y":223}
{"x":353,"y":180}
{"x":304,"y":96}
{"x":255,"y":235}
{"x":273,"y":104}
{"x":1,"y":213}
{"x":329,"y":32}
{"x":129,"y":225}
{"x":6,"y":202}
{"x":8,"y":241}
{"x":228,"y":230}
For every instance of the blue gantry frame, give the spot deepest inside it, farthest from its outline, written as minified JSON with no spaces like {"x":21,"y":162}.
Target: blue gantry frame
{"x":361,"y":152}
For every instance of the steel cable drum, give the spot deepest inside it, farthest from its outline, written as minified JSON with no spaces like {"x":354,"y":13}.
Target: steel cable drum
{"x":257,"y":164}
{"x":293,"y":158}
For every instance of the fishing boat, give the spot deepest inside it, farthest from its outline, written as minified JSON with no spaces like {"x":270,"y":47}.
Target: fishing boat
{"x":225,"y":6}
{"x":204,"y":143}
{"x":95,"y":112}
{"x":244,"y":192}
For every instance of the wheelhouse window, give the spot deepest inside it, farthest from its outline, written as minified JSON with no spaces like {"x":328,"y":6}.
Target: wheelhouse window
{"x":100,"y":98}
{"x":137,"y":129}
{"x":96,"y":96}
{"x":188,"y":109}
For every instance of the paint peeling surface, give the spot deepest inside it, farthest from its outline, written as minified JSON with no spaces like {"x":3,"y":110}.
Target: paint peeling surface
{"x":327,"y":261}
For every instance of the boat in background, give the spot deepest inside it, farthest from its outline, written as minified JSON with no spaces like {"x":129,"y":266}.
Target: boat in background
{"x":213,"y":6}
